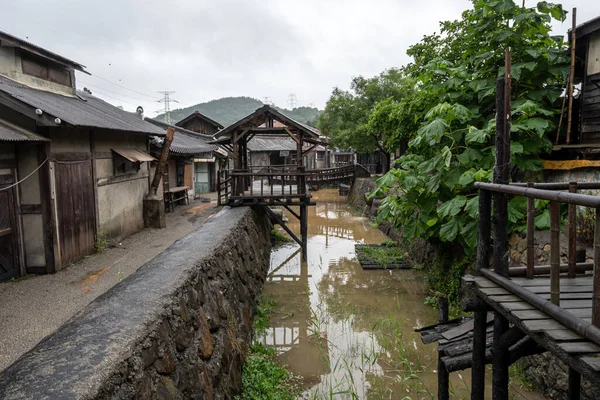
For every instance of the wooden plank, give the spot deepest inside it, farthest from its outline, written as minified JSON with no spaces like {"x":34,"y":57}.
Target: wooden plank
{"x":579,"y":281}
{"x":593,"y":362}
{"x":464,"y":328}
{"x":580,"y":347}
{"x":491,"y":291}
{"x":563,"y":334}
{"x":530,"y":314}
{"x":482,"y":282}
{"x":563,"y":289}
{"x":71,"y":156}
{"x":521,"y":305}
{"x":505,"y":298}
{"x":542,"y":325}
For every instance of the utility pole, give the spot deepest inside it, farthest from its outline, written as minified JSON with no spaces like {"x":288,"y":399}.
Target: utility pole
{"x":167,"y":100}
{"x":292,"y":101}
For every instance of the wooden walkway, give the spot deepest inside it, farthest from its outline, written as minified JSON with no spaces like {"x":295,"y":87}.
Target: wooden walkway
{"x":576,"y":294}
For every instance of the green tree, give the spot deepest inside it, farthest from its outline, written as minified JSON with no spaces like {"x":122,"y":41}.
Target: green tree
{"x":345,"y":118}
{"x":430,"y":189}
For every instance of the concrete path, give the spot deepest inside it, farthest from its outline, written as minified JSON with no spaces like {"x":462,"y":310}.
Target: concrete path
{"x":36,"y":305}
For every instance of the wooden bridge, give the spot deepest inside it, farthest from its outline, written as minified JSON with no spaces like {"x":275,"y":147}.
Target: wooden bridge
{"x":285,"y":185}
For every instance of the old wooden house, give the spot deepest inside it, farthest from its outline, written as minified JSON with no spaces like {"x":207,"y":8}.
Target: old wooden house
{"x":193,"y":162}
{"x":200,"y":123}
{"x":73,"y":168}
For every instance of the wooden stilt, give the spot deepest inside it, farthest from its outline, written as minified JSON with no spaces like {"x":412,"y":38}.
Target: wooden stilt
{"x":478,"y":363}
{"x":443,"y":374}
{"x":304,"y":230}
{"x":500,"y":360}
{"x":480,"y":322}
{"x":574,"y":392}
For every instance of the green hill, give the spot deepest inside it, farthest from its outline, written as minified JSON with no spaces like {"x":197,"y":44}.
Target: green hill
{"x":231,"y":109}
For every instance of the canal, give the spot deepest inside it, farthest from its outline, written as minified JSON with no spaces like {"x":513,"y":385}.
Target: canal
{"x":346,"y":332}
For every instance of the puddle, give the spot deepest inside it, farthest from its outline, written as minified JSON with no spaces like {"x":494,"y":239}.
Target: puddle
{"x":346,"y":332}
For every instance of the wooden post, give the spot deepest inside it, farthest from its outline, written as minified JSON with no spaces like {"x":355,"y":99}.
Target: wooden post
{"x":500,"y":176}
{"x":572,"y":233}
{"x":443,"y":374}
{"x":574,"y":392}
{"x":571,"y":75}
{"x":596,"y":289}
{"x":555,"y":252}
{"x":480,"y":321}
{"x":304,"y":229}
{"x":500,"y":360}
{"x":530,"y":234}
{"x":236,"y":163}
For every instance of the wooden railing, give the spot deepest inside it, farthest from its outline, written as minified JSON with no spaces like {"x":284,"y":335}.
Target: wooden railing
{"x":500,"y":274}
{"x":275,"y":181}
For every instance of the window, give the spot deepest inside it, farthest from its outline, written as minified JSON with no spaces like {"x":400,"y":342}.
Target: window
{"x":320,"y":155}
{"x":124,"y":166}
{"x":42,"y":69}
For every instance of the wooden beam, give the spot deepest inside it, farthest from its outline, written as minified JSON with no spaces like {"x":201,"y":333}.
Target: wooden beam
{"x":294,"y":137}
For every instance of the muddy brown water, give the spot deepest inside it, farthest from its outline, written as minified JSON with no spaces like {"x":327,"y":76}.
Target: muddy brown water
{"x":346,"y":332}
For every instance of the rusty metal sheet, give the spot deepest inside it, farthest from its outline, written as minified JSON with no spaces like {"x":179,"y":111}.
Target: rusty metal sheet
{"x":134,"y":155}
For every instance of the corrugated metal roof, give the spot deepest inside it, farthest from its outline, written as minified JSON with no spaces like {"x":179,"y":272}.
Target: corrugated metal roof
{"x":13,"y":133}
{"x":185,"y":141}
{"x":134,"y":155}
{"x":271,"y":143}
{"x":82,"y":110}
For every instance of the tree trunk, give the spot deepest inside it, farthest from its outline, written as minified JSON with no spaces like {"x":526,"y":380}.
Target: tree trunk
{"x":387,"y":159}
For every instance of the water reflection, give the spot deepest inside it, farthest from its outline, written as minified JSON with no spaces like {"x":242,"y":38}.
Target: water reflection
{"x":348,"y":332}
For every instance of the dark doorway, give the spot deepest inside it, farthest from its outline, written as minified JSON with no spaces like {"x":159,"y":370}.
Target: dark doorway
{"x":9,"y":264}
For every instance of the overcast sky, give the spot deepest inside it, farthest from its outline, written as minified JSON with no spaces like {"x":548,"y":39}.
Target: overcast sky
{"x":205,"y":50}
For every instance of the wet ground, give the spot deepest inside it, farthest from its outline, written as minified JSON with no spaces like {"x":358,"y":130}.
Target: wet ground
{"x":346,"y":332}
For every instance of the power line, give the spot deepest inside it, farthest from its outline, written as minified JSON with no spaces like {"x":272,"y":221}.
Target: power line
{"x":292,"y":100}
{"x":124,"y":87}
{"x":166,"y":100}
{"x":114,"y":98}
{"x":111,"y":91}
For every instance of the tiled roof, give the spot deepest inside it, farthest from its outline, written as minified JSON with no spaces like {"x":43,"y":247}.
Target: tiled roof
{"x":185,"y":141}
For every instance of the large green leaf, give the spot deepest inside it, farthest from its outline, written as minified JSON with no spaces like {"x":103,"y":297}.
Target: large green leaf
{"x":472,"y":207}
{"x":449,"y":230}
{"x":452,"y":207}
{"x":475,"y":135}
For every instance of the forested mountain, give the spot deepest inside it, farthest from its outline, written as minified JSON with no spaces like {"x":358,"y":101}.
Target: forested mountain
{"x":231,"y":109}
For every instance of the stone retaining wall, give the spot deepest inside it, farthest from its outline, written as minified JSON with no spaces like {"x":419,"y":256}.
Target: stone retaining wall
{"x":177,"y":328}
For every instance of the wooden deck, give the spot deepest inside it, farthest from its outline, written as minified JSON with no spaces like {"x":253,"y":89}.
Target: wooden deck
{"x":576,"y":294}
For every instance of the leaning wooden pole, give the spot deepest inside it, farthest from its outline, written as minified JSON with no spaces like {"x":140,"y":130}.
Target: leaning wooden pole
{"x":501,"y":359}
{"x":571,"y":75}
{"x":160,"y":169}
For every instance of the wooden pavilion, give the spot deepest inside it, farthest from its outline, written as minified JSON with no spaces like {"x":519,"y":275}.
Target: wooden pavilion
{"x":281,"y":185}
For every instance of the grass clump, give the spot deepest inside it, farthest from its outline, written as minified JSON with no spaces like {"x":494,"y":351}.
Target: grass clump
{"x":278,"y":237}
{"x":263,"y":378}
{"x":385,"y":254}
{"x":262,"y":319}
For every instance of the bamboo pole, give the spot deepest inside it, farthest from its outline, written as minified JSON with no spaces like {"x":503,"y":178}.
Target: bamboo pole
{"x":572,"y":233}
